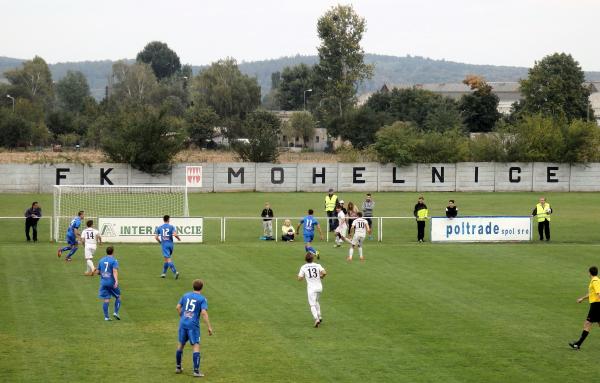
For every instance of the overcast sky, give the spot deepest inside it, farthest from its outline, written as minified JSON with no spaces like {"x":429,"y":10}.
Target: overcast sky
{"x":498,"y":32}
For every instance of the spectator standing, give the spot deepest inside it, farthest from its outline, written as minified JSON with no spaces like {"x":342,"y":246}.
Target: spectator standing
{"x":367,"y":210}
{"x":32,"y":216}
{"x":267,"y":215}
{"x":287,"y":231}
{"x":331,"y":200}
{"x":451,"y":210}
{"x":352,"y":213}
{"x":421,"y":214}
{"x":542,"y":212}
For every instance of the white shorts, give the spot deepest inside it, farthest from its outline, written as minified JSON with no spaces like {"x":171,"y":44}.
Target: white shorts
{"x":342,"y":230}
{"x":89,"y":252}
{"x":357,"y":240}
{"x":313,"y":297}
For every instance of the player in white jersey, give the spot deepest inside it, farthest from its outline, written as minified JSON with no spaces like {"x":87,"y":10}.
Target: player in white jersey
{"x":313,"y":273}
{"x":341,"y":231}
{"x":91,"y":238}
{"x":358,"y":232}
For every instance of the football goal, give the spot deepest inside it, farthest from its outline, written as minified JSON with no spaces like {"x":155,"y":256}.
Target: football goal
{"x":115,"y":201}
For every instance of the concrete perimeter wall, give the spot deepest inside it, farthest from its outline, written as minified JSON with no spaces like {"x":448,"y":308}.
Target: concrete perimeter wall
{"x":223,"y":177}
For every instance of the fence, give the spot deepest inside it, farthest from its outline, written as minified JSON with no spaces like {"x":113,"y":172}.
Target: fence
{"x":233,"y":229}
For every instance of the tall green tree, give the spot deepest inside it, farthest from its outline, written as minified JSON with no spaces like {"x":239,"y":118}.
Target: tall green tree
{"x":226,"y":90}
{"x":73,"y":92}
{"x":341,"y":64}
{"x":261,"y":128}
{"x":32,"y":81}
{"x":162,"y":59}
{"x":201,"y":121}
{"x":480,"y":108}
{"x":144,"y":137}
{"x":134,"y":82}
{"x":555,"y":87}
{"x":294,"y":82}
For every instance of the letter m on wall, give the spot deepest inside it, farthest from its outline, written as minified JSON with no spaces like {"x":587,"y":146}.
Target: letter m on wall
{"x":233,"y":174}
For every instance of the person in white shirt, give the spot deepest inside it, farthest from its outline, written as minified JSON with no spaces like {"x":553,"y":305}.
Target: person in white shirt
{"x":341,"y":231}
{"x":313,"y":273}
{"x":358,"y":232}
{"x":91,"y":238}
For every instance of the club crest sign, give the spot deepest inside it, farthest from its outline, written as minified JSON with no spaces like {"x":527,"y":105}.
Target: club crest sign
{"x":193,"y":176}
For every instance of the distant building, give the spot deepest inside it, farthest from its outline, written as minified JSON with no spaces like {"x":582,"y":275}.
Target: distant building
{"x":317,"y":143}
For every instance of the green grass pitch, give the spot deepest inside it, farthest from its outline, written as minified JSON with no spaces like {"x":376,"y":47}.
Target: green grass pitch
{"x":411,"y":313}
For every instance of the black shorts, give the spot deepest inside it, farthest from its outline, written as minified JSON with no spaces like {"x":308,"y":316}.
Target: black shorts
{"x":594,"y":313}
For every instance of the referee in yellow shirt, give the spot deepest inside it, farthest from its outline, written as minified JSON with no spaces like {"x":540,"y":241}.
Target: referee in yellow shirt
{"x":593,"y":316}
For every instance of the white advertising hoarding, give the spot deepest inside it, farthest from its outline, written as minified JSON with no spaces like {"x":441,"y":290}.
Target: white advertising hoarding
{"x":141,"y":229}
{"x":480,"y":229}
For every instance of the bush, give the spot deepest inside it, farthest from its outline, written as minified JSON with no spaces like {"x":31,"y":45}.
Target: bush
{"x":261,"y":129}
{"x":143,"y":137}
{"x":395,"y":143}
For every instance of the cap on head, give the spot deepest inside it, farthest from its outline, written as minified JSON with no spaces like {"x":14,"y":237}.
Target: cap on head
{"x":331,"y":190}
{"x":341,"y":201}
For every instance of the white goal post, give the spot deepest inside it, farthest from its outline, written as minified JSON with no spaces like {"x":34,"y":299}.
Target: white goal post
{"x":115,"y":201}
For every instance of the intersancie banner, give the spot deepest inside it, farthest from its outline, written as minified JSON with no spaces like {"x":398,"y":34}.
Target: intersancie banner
{"x":141,"y":229}
{"x":480,"y":229}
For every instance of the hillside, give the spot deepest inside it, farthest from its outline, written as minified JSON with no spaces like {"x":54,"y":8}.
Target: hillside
{"x":388,"y":70}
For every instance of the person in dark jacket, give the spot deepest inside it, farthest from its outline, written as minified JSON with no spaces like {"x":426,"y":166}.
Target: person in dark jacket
{"x":451,"y":210}
{"x":421,"y":214}
{"x":32,"y":216}
{"x":267,"y":215}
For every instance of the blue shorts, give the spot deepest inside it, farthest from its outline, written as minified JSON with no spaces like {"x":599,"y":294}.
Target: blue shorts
{"x":167,"y":249}
{"x":309,"y":237}
{"x":71,"y":240}
{"x":191,"y":335}
{"x":105,"y":292}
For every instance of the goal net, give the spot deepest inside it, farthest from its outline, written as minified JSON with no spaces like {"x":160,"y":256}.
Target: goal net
{"x":115,"y":201}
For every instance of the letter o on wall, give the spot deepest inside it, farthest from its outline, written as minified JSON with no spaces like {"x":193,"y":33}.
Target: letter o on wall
{"x":280,"y":177}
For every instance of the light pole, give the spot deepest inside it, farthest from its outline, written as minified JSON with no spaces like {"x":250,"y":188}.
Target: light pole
{"x":308,"y":90}
{"x":13,"y":101}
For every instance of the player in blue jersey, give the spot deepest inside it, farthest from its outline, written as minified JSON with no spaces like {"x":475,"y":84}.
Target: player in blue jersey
{"x":190,"y":307}
{"x":73,"y":233}
{"x":164,"y":235}
{"x":108,"y":269}
{"x":308,"y":224}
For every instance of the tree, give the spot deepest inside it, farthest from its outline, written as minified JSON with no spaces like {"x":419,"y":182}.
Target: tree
{"x":360,"y":126}
{"x":15,"y":131}
{"x":261,"y":129}
{"x":444,"y":116}
{"x":292,"y":85}
{"x":480,"y":108}
{"x":303,"y":125}
{"x":341,"y":59}
{"x":225,"y":89}
{"x":555,"y":87}
{"x":134,"y":82}
{"x":162,"y":59}
{"x":200,"y":122}
{"x":143,"y":137}
{"x":32,"y":81}
{"x":73,"y":91}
